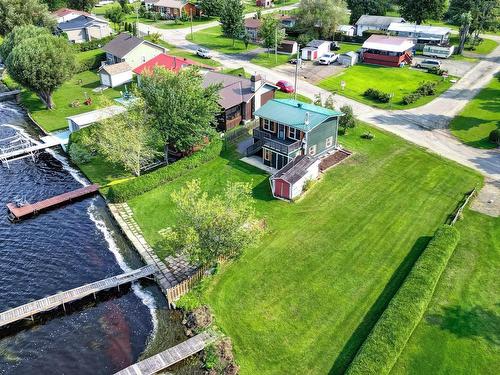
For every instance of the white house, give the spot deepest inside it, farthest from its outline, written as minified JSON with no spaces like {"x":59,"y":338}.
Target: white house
{"x":380,"y":23}
{"x":346,"y":30}
{"x":421,"y":34}
{"x":85,"y":28}
{"x":66,"y":14}
{"x":115,"y":74}
{"x":315,"y":49}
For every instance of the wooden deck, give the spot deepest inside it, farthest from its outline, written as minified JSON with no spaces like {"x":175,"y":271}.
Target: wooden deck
{"x":18,"y":213}
{"x":49,"y":303}
{"x":20,"y":152}
{"x":171,"y":356}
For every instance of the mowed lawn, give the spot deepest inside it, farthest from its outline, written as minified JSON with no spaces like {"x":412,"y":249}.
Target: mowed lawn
{"x":396,"y":81}
{"x":305,"y":298}
{"x":479,"y":117}
{"x":460,"y":332}
{"x":270,"y":60}
{"x":212,"y":38}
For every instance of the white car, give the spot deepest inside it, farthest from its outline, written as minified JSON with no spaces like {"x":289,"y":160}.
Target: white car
{"x":328,"y":58}
{"x":428,"y":64}
{"x":205,"y":53}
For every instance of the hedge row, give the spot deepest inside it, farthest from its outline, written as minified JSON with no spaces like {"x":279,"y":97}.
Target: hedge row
{"x":140,"y":185}
{"x":386,"y":341}
{"x":92,"y":44}
{"x":377,"y":95}
{"x":90,"y":63}
{"x":425,"y":89}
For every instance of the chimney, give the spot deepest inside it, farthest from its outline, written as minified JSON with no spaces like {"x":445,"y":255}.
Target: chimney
{"x":256,"y":81}
{"x":307,"y":119}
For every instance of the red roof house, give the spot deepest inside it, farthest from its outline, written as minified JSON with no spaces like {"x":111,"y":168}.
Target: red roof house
{"x":169,"y":62}
{"x":66,"y":14}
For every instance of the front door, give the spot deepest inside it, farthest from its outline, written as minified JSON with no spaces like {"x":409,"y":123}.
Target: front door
{"x":281,"y":131}
{"x":281,"y":161}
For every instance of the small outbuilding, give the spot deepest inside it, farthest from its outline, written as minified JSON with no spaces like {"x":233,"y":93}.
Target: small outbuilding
{"x":86,"y":119}
{"x":115,"y":75}
{"x":288,"y":183}
{"x":387,"y":50}
{"x":346,"y":30}
{"x":288,"y":47}
{"x":349,"y":58}
{"x":315,"y":49}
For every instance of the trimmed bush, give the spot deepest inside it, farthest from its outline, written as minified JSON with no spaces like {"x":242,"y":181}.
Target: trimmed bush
{"x":377,"y":95}
{"x":386,"y":341}
{"x":494,"y":136}
{"x":427,"y":88}
{"x":411,"y":98}
{"x":140,"y":185}
{"x":93,"y":44}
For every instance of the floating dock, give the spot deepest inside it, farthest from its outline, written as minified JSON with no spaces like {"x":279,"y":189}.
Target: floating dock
{"x":24,"y":147}
{"x":17,"y":212}
{"x":45,"y":304}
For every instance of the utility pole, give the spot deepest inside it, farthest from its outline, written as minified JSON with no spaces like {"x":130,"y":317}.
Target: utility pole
{"x":276,"y":44}
{"x":297,"y":72}
{"x":191,"y":13}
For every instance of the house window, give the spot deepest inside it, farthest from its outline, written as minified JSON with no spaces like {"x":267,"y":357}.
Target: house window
{"x":143,"y":59}
{"x":329,"y":142}
{"x":312,"y":150}
{"x":268,"y":125}
{"x":294,"y":134}
{"x":267,"y":154}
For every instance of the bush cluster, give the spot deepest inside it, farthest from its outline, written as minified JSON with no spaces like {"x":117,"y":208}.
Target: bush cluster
{"x":494,"y":136}
{"x":367,"y":135}
{"x":377,"y":95}
{"x":93,"y":44}
{"x":140,"y":185}
{"x":425,"y":89}
{"x":436,"y":70}
{"x":90,"y":63}
{"x":390,"y":334}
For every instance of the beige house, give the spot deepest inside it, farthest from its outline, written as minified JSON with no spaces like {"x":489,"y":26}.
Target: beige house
{"x":132,"y":50}
{"x":85,"y":28}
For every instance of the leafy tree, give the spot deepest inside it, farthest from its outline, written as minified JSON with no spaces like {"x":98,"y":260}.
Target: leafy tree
{"x":127,"y":139}
{"x":271,"y":32}
{"x":55,"y":4}
{"x":373,"y":7}
{"x":24,"y":12}
{"x":347,"y":121}
{"x":231,"y":19}
{"x":212,"y":7}
{"x":17,"y":35}
{"x":155,"y":37}
{"x":85,"y":5}
{"x":184,"y":111}
{"x":321,"y":17}
{"x":209,"y":228}
{"x":329,"y":102}
{"x":318,"y":100}
{"x":115,"y":14}
{"x":484,"y":14}
{"x":465,"y":21}
{"x":246,"y":40}
{"x":419,"y":11}
{"x":41,"y":64}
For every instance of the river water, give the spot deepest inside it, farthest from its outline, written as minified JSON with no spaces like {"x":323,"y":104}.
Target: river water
{"x":59,"y":250}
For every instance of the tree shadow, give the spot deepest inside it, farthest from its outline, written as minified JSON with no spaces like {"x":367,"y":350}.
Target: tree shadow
{"x":370,"y":319}
{"x":468,"y":322}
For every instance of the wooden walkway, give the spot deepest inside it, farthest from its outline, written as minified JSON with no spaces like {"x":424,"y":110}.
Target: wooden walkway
{"x":45,"y":304}
{"x":20,"y":152}
{"x":18,"y":213}
{"x":171,"y":356}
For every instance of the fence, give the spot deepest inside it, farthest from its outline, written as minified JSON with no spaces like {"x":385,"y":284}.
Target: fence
{"x":237,"y":132}
{"x":176,"y":292}
{"x":458,"y":213}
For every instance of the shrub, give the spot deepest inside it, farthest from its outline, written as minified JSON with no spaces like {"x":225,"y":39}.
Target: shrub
{"x":427,"y":88}
{"x":93,"y":44}
{"x":140,"y":185}
{"x":309,"y":184}
{"x":411,"y":98}
{"x":390,"y":334}
{"x":377,"y":95}
{"x":495,"y":136}
{"x":90,"y":63}
{"x":367,"y":135}
{"x":79,"y":154}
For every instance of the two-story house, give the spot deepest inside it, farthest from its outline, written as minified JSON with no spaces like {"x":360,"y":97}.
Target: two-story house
{"x":290,"y":128}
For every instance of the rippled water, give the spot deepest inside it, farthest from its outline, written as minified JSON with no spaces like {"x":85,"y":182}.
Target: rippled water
{"x":59,"y":250}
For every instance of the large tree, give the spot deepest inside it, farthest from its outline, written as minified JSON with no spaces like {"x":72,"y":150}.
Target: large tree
{"x":419,"y":11}
{"x":484,"y":14}
{"x":183,"y":109}
{"x":41,"y":64}
{"x":373,"y":7}
{"x":211,"y":7}
{"x":322,"y":17}
{"x":271,"y":32}
{"x":55,"y":4}
{"x":85,"y":5}
{"x":231,"y":19}
{"x":17,"y":35}
{"x":24,"y":12}
{"x":209,"y":228}
{"x":127,"y":139}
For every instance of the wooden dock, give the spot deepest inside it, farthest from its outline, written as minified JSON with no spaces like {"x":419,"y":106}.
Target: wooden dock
{"x":45,"y":304}
{"x":21,"y":212}
{"x":14,"y":153}
{"x":171,"y":356}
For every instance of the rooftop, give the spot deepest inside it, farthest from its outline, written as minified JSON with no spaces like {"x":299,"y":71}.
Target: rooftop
{"x":366,"y":19}
{"x":178,"y":4}
{"x":296,"y":169}
{"x":123,"y":44}
{"x":65,"y":11}
{"x":80,"y":22}
{"x":168,"y":62}
{"x":388,"y":43}
{"x":97,"y":115}
{"x":116,"y":68}
{"x":411,"y":27}
{"x":316,"y":43}
{"x":252,"y":23}
{"x":300,"y":115}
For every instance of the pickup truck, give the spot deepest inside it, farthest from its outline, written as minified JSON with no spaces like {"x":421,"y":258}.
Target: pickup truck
{"x":328,"y":58}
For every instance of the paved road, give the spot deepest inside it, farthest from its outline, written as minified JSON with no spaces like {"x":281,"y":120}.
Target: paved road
{"x":424,"y":126}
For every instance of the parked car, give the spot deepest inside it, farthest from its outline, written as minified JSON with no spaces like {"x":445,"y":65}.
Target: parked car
{"x":295,"y":61}
{"x":328,"y":58}
{"x":429,"y":64}
{"x":203,"y":52}
{"x":285,"y":86}
{"x":335,"y":46}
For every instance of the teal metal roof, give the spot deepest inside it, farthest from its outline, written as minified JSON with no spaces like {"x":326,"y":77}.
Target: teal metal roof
{"x":293,"y":113}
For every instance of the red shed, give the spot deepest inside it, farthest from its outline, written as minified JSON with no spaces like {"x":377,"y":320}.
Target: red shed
{"x":288,"y":182}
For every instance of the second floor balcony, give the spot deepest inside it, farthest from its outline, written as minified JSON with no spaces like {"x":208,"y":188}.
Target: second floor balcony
{"x":271,"y":141}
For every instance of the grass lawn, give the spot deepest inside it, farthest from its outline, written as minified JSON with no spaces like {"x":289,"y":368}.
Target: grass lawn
{"x":348,"y":47}
{"x":284,"y":95}
{"x":485,"y":47}
{"x":459,"y":333}
{"x":479,"y":117}
{"x":212,"y":38}
{"x":307,"y":296}
{"x":396,"y":81}
{"x":268,"y":60}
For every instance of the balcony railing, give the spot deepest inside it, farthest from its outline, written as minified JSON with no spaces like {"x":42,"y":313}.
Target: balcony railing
{"x":274,"y":143}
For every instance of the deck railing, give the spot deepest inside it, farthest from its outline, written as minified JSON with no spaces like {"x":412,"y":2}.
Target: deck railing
{"x":274,"y":143}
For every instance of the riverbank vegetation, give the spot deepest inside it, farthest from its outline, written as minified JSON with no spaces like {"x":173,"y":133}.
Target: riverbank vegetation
{"x":334,"y":259}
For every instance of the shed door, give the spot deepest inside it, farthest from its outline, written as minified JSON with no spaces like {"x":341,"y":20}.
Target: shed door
{"x":282,"y":189}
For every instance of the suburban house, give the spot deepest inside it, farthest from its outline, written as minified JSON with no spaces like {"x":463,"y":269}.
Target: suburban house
{"x":347,"y":30}
{"x":315,"y":49}
{"x":387,"y":50}
{"x":239,"y":97}
{"x":264,"y":3}
{"x":172,"y":8}
{"x":130,"y":49}
{"x":115,"y":74}
{"x":290,"y":128}
{"x":83,"y":120}
{"x":66,"y":14}
{"x":252,"y":26}
{"x":288,"y":47}
{"x":380,"y":23}
{"x":169,"y":62}
{"x":421,"y":34}
{"x":287,"y":21}
{"x":84,"y":28}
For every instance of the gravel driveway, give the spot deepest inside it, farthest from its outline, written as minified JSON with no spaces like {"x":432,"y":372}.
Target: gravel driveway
{"x":456,"y":68}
